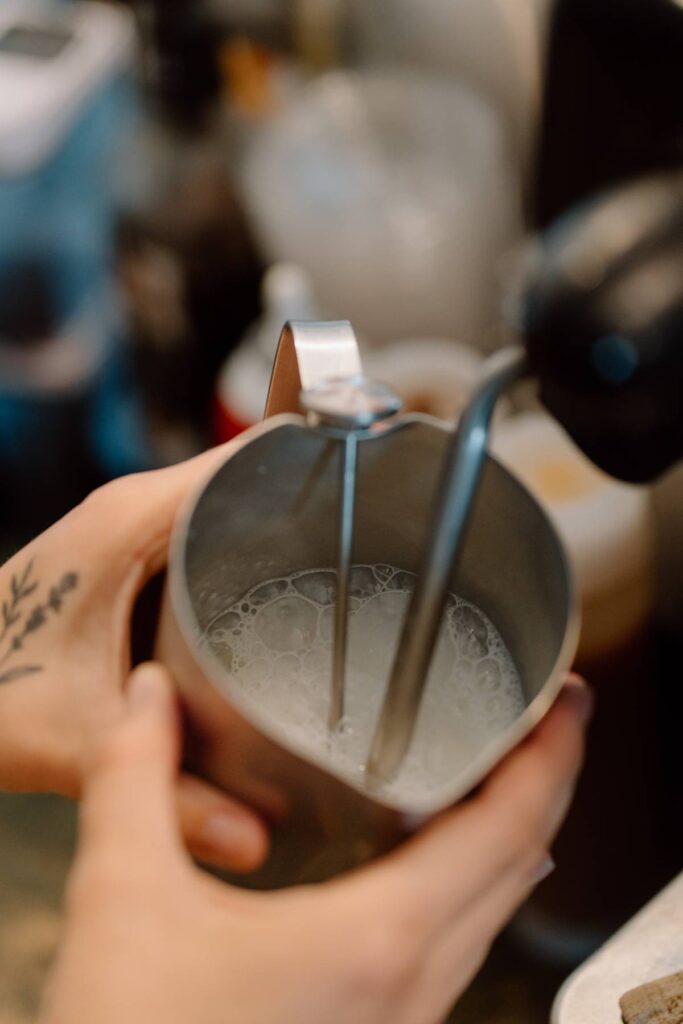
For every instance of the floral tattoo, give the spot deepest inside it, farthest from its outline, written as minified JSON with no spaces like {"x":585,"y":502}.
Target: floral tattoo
{"x":19,"y":618}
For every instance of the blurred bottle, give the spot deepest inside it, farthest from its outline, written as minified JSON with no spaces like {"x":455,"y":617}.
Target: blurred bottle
{"x":614,"y":851}
{"x":68,"y":415}
{"x":189,"y":270}
{"x":316,"y":32}
{"x":242,"y":385}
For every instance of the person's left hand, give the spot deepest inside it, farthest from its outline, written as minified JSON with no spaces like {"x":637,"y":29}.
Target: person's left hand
{"x":65,"y":613}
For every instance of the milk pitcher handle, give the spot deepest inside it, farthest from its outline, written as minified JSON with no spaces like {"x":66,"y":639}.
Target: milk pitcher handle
{"x":308,"y":352}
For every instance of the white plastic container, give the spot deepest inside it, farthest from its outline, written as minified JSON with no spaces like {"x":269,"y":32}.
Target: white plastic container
{"x":397,"y":194}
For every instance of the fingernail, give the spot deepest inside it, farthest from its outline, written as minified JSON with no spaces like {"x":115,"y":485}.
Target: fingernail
{"x":225,"y":832}
{"x":143,"y":687}
{"x":545,"y":868}
{"x":582,"y":700}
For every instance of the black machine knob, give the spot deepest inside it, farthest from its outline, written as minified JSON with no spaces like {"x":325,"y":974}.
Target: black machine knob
{"x":602,"y":314}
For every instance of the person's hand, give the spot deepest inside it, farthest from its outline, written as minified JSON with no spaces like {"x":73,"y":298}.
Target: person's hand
{"x":150,"y":938}
{"x":65,"y":614}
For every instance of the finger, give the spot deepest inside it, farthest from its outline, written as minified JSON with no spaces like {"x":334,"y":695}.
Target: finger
{"x":485,"y":918}
{"x":44,"y":757}
{"x":130,"y":789}
{"x":443,"y":977}
{"x":137,"y":513}
{"x":538,"y":780}
{"x":218,"y":829}
{"x":453,"y":959}
{"x":155,"y":497}
{"x":433,"y":878}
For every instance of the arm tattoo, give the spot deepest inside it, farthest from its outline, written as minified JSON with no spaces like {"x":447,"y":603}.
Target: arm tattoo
{"x":18,"y":621}
{"x":21,"y":587}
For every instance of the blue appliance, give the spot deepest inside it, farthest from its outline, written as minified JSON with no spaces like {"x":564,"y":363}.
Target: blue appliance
{"x":68,"y":415}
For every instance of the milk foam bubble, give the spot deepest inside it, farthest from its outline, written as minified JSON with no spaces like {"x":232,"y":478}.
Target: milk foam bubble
{"x":276,"y":644}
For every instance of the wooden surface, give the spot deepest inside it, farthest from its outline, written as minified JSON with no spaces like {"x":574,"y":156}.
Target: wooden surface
{"x":658,"y":1002}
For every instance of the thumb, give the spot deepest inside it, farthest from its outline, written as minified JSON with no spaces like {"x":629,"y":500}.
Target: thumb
{"x":129,"y":801}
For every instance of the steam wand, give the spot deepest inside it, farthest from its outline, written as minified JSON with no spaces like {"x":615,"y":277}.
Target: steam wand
{"x":460,"y":478}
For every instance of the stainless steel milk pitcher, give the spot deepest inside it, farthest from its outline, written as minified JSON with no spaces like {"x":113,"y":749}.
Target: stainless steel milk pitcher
{"x":272,"y":508}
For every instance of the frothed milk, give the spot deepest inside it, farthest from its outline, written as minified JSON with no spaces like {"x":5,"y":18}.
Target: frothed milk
{"x":276,"y":643}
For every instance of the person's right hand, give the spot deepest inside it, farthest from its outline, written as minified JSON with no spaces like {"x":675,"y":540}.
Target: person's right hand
{"x":150,"y":938}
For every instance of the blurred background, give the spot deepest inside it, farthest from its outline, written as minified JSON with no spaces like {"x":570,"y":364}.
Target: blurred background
{"x":179,"y":177}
